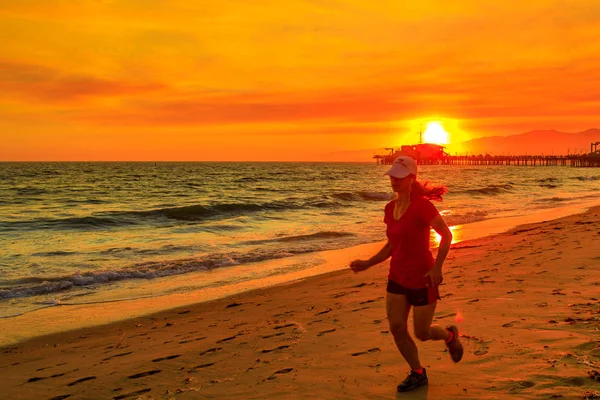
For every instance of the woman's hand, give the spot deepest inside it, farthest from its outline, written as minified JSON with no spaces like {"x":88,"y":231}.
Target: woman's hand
{"x":359,"y":265}
{"x":436,"y":275}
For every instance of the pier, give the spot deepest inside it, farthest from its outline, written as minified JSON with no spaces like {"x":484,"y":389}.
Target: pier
{"x":431,"y":154}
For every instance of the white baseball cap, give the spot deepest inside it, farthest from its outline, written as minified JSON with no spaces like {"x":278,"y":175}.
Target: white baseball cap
{"x":402,"y":167}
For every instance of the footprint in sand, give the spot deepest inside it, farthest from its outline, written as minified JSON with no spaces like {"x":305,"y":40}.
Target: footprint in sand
{"x":36,"y":378}
{"x":211,"y":350}
{"x":167,"y":358}
{"x":197,"y":367}
{"x":482,"y":347}
{"x":194,"y":340}
{"x":87,"y":378}
{"x":39,"y":378}
{"x":360,"y":353}
{"x":510,"y":324}
{"x":283,"y":314}
{"x":131,"y":394}
{"x":445,"y":316}
{"x":143,"y":374}
{"x":574,"y":381}
{"x":138,"y":335}
{"x":273,"y":335}
{"x":324,"y":332}
{"x":117,"y":355}
{"x":371,"y":301}
{"x":523,"y":385}
{"x":226,"y":339}
{"x":480,"y":352}
{"x":283,"y":326}
{"x":341,"y":294}
{"x":275,"y":349}
{"x":238,"y":325}
{"x":61,"y":397}
{"x":281,"y":371}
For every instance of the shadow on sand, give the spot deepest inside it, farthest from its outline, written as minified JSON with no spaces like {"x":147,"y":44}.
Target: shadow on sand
{"x":419,"y":393}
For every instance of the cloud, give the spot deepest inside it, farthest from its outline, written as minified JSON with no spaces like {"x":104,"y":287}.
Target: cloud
{"x":540,"y":92}
{"x":43,"y":84}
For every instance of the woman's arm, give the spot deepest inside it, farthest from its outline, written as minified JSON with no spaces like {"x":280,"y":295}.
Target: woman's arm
{"x":381,"y":256}
{"x":439,"y":225}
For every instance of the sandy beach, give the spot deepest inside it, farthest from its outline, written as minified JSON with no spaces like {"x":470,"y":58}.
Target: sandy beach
{"x":527,"y":303}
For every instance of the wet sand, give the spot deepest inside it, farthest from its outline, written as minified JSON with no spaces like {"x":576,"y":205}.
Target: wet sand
{"x":528,"y":302}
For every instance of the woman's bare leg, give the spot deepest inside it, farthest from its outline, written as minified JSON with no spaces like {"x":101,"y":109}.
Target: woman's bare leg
{"x":423,"y":316}
{"x":397,"y":313}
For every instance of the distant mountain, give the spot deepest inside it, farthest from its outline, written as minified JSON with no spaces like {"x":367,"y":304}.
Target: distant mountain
{"x":534,"y":142}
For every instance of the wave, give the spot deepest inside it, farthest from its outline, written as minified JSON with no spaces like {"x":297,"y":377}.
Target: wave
{"x":549,"y":183}
{"x":127,"y":218}
{"x":125,"y":251}
{"x":338,"y":200}
{"x":315,"y":236}
{"x":166,"y":249}
{"x":552,"y":200}
{"x":324,"y":204}
{"x":490,"y":190}
{"x":190,"y":213}
{"x":32,"y":191}
{"x":556,"y":199}
{"x":363,"y":196}
{"x":467,"y":218}
{"x":199,"y":212}
{"x":548,"y":180}
{"x":38,"y":285}
{"x":56,"y":253}
{"x":45,"y":287}
{"x":325,"y":235}
{"x":586,"y":178}
{"x":84,"y":201}
{"x":251,"y":179}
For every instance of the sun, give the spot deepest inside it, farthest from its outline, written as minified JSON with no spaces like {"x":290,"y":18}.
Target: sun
{"x":435,"y":133}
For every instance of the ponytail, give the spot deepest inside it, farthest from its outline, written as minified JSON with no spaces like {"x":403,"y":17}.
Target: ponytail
{"x":427,"y":191}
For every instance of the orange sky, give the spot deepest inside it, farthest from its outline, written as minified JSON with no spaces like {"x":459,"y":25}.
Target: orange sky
{"x":291,"y":80}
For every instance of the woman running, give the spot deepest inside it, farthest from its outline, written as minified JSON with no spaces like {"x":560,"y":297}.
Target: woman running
{"x":414,"y":275}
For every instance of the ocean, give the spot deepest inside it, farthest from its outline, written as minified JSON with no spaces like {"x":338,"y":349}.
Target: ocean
{"x":82,"y":233}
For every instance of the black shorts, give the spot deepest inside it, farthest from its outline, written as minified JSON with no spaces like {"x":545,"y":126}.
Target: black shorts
{"x":415,"y":297}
